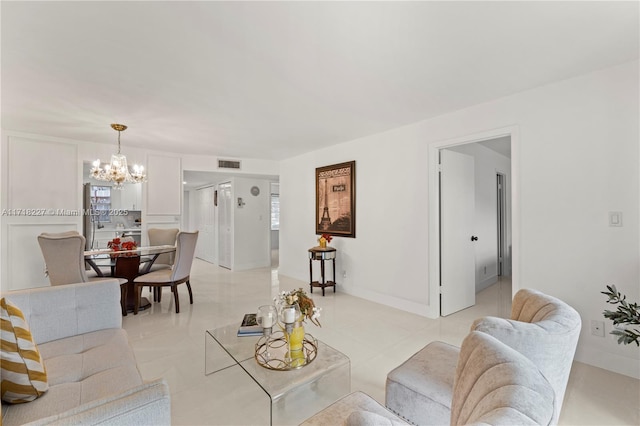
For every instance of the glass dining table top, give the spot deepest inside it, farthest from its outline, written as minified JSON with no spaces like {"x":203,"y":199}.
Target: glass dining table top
{"x":107,"y":257}
{"x":139,"y":251}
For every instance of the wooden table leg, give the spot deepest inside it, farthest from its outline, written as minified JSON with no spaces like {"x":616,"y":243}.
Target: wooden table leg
{"x":123,"y":299}
{"x":322,"y":273}
{"x":128,"y":267}
{"x":334,"y":274}
{"x":311,"y":275}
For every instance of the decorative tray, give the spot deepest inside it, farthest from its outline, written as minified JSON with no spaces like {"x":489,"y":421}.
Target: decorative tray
{"x":273,"y":353}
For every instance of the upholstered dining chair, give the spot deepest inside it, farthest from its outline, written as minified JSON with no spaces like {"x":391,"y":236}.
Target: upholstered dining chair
{"x":178,"y":274}
{"x":162,"y":237}
{"x":64,"y":259}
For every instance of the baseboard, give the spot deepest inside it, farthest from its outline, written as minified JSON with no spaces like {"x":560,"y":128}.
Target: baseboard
{"x":486,"y":283}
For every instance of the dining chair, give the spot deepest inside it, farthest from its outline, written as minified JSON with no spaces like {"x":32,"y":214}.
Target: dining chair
{"x":178,"y":274}
{"x":64,"y":260}
{"x":64,"y":257}
{"x":162,"y":237}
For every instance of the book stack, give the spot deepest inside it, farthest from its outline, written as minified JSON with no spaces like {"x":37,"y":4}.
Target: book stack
{"x":249,"y":326}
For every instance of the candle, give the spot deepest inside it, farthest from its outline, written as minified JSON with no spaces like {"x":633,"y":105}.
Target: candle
{"x":289,"y":315}
{"x":267,"y":320}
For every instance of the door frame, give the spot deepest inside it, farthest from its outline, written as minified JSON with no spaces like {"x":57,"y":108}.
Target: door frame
{"x":434,"y":208}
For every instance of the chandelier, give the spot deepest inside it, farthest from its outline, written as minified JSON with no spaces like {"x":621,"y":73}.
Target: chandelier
{"x":118,"y":172}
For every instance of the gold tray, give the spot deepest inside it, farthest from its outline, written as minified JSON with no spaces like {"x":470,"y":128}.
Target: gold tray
{"x":275,"y":356}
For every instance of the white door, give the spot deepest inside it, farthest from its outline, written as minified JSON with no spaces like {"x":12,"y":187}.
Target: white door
{"x":225,"y":225}
{"x":457,"y":254}
{"x":206,"y":238}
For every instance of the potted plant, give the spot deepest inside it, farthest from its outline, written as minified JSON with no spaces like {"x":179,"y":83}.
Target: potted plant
{"x":627,"y":315}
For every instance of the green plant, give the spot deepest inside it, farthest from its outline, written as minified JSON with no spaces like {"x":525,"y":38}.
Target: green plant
{"x":627,"y":314}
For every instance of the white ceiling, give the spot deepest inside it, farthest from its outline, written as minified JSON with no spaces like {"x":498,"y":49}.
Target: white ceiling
{"x":277,"y":79}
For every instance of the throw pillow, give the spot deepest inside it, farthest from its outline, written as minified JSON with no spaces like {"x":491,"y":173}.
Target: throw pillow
{"x":24,"y":377}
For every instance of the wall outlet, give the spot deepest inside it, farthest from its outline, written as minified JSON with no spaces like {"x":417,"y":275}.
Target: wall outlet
{"x":597,"y":328}
{"x":344,"y":274}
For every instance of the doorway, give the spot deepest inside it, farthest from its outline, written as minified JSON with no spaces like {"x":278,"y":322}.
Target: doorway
{"x":225,"y":225}
{"x":501,"y":209}
{"x":493,"y":222}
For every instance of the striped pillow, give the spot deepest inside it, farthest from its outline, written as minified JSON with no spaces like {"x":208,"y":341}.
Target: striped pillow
{"x":24,"y":377}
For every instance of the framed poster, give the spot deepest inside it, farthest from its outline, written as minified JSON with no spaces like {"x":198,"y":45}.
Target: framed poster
{"x":336,"y":199}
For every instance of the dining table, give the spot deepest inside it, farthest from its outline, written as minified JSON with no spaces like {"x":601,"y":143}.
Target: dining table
{"x":126,"y":264}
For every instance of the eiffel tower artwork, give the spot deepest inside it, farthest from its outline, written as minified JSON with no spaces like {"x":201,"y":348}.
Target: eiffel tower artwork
{"x":335,"y":200}
{"x":325,"y":222}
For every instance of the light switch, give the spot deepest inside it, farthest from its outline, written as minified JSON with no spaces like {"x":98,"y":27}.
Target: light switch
{"x":615,"y":218}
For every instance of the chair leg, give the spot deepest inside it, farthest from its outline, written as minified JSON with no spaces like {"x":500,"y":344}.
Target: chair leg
{"x":123,"y":299}
{"x":159,"y":294}
{"x":190,"y":293}
{"x":174,"y":289}
{"x":138,"y":290}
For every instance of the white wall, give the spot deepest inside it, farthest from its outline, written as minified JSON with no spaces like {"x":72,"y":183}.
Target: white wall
{"x":487,"y":163}
{"x":577,"y":159}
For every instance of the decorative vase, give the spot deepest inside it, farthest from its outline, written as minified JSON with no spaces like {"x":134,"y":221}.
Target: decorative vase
{"x":296,"y":337}
{"x":295,"y":340}
{"x":323,"y":242}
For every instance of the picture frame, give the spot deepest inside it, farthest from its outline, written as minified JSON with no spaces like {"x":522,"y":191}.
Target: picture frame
{"x":336,"y":199}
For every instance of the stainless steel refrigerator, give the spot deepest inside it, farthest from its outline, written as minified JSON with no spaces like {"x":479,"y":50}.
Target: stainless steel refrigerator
{"x":90,"y":217}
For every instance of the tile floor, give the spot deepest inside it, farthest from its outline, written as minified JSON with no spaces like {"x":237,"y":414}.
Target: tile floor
{"x":376,"y":338}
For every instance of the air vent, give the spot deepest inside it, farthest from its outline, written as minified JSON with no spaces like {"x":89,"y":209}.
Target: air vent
{"x":229,"y":164}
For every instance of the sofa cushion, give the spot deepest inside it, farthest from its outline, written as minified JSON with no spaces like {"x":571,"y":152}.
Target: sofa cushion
{"x":355,"y":408}
{"x":81,"y":369}
{"x":24,"y":377}
{"x":367,"y":418}
{"x":58,"y":312}
{"x":420,"y":401}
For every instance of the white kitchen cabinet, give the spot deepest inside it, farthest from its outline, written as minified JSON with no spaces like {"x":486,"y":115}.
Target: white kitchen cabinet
{"x":131,"y":197}
{"x":102,"y":237}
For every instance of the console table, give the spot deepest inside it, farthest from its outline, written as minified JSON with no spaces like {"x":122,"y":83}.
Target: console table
{"x":321,"y":254}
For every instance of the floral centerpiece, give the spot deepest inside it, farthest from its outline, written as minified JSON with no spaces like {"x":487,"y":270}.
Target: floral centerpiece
{"x":308,"y":309}
{"x":296,"y":301}
{"x":118,"y":245}
{"x":324,"y":239}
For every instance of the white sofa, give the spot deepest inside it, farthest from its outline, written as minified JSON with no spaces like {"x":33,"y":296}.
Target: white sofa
{"x":91,"y":369}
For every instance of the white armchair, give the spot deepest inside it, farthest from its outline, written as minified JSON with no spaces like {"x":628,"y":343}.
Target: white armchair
{"x":542,"y":328}
{"x":493,"y":385}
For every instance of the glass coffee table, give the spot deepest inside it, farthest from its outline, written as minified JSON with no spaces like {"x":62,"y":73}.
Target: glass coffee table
{"x":294,"y":395}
